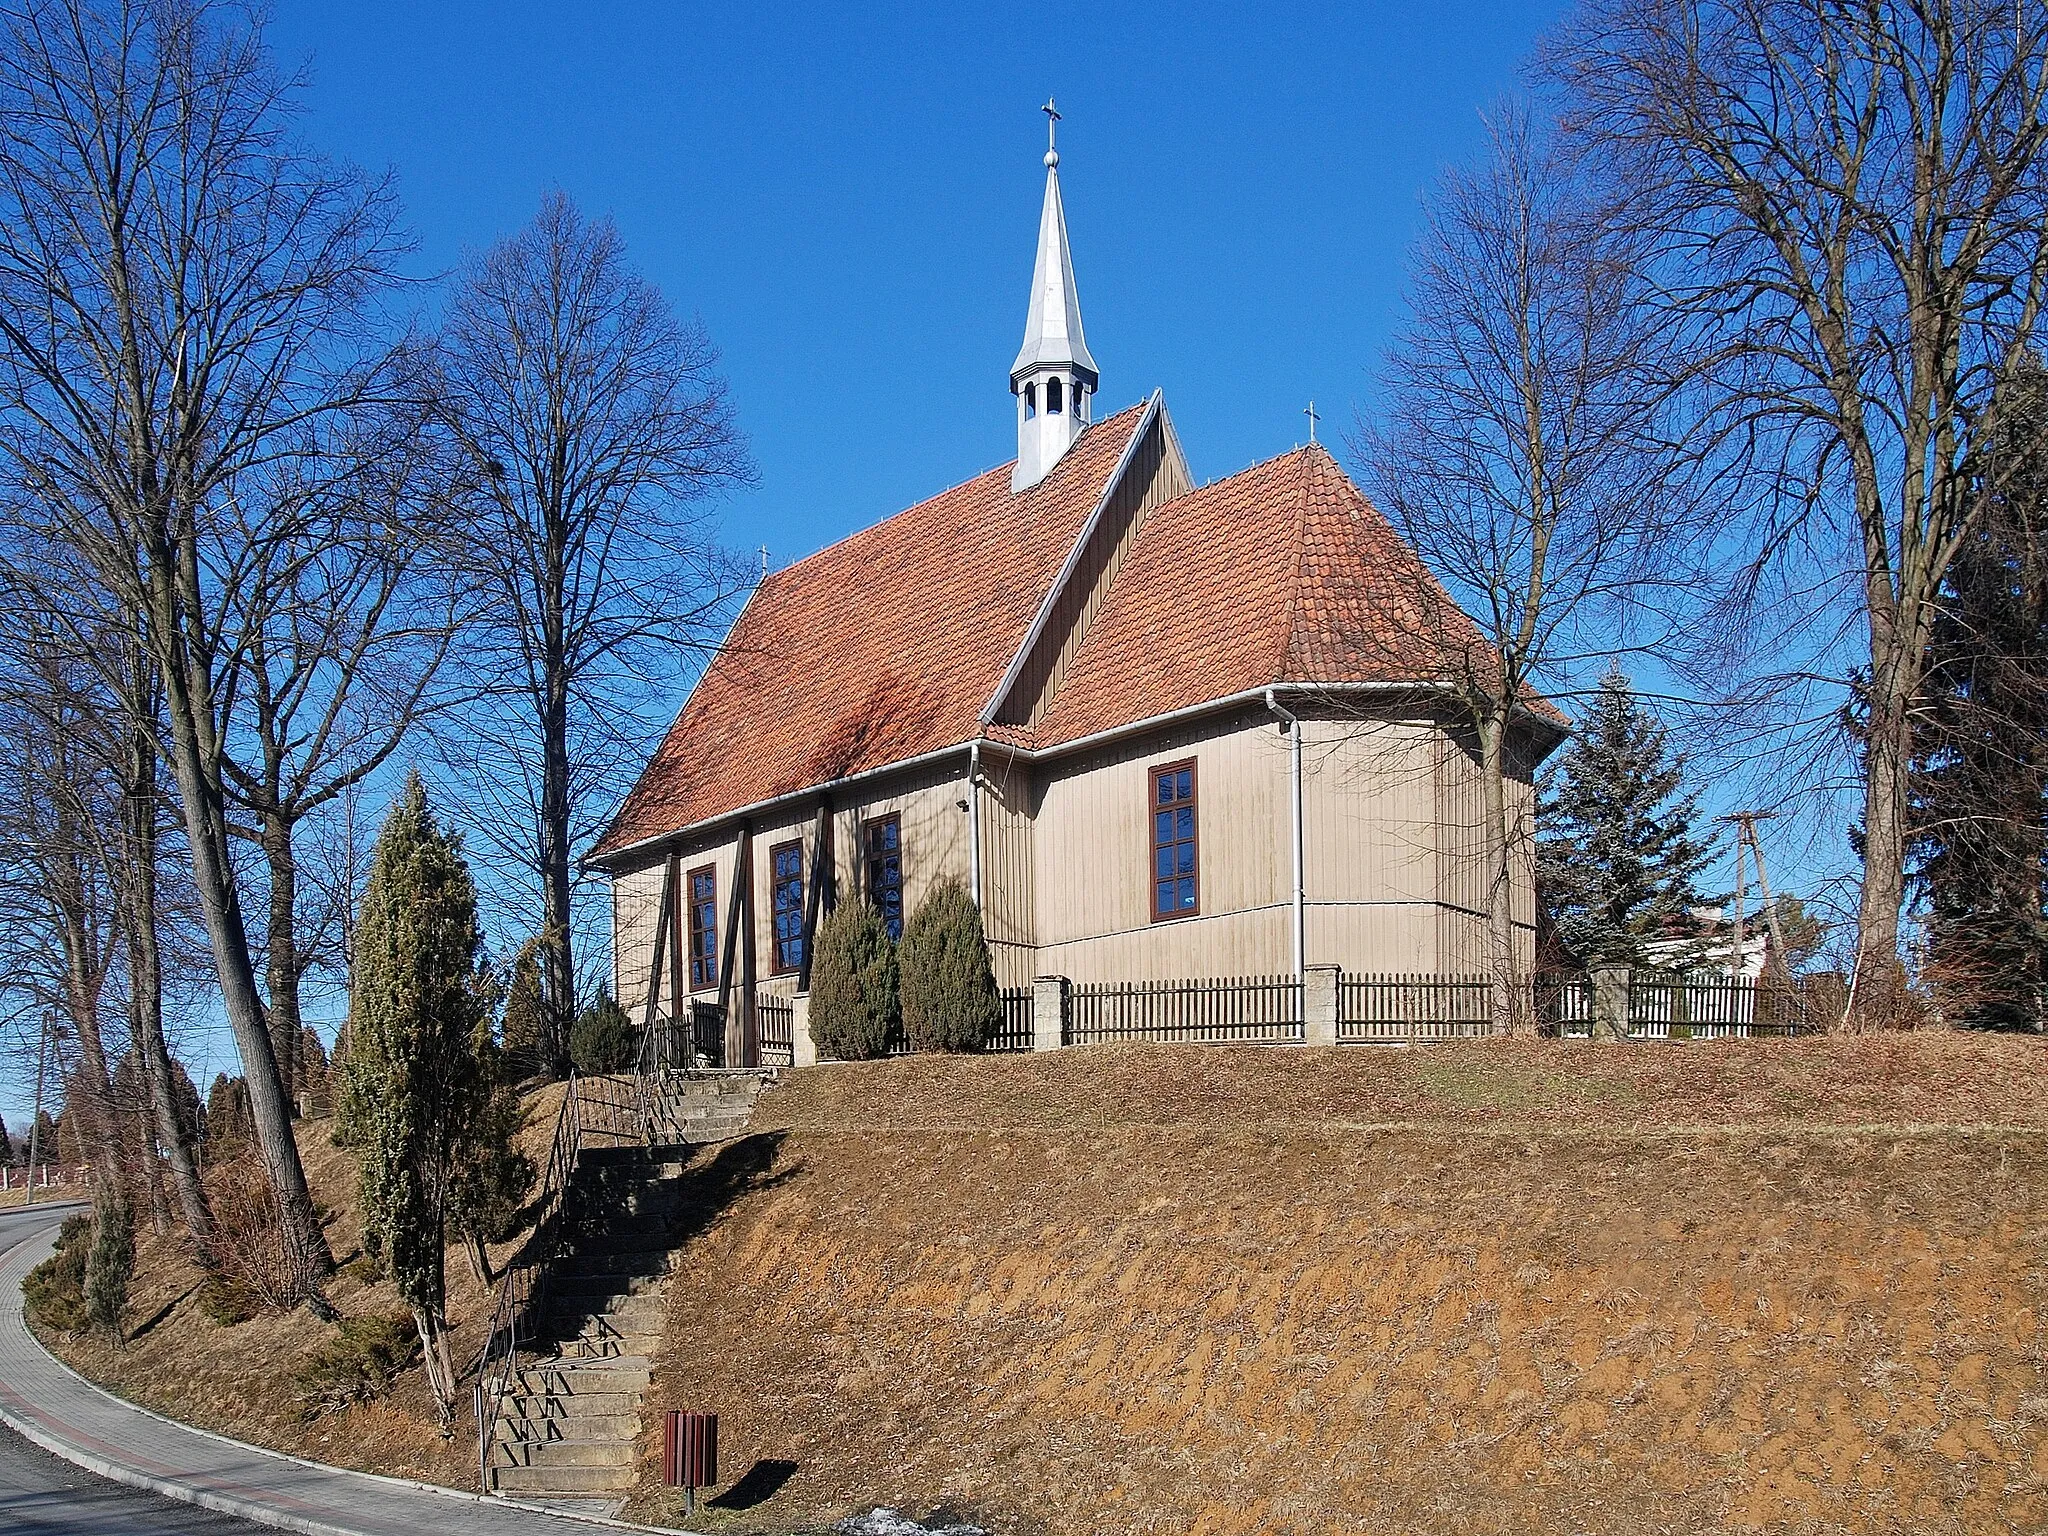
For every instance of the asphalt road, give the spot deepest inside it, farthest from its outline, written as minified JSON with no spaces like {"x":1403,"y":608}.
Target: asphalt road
{"x":43,"y":1496}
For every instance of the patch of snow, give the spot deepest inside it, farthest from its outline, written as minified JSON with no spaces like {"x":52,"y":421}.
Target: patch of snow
{"x":886,"y":1522}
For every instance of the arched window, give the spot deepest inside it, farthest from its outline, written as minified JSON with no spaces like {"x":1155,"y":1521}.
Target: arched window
{"x":1052,"y":397}
{"x":1030,"y":401}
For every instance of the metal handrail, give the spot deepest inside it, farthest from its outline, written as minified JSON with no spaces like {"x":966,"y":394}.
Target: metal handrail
{"x":523,"y":1286}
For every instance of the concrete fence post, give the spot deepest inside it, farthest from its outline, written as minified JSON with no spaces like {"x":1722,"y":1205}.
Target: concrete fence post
{"x":803,"y":1050}
{"x":1610,"y":1002}
{"x":1048,"y":1013}
{"x":1319,"y":1004}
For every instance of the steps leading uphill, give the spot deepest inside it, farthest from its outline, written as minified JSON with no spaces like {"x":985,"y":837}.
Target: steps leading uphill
{"x":568,"y":1427}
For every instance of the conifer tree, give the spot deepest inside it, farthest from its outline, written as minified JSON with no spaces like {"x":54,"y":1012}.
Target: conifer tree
{"x":1979,"y":775}
{"x":855,"y":1004}
{"x":414,"y":1093}
{"x":1617,"y":860}
{"x":525,"y":1012}
{"x":948,"y":986}
{"x":6,"y":1147}
{"x":110,"y":1261}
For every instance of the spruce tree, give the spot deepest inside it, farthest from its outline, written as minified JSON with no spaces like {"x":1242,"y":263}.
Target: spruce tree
{"x":855,"y":1006}
{"x":6,"y":1147}
{"x":947,"y":985}
{"x":1979,"y":774}
{"x":1617,"y":860}
{"x":414,"y":1091}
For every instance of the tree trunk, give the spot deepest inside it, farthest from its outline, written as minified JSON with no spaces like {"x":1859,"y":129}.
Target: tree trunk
{"x":558,"y":969}
{"x":145,"y":967}
{"x":220,"y":905}
{"x":1509,"y":1008}
{"x":282,"y":943}
{"x":1879,"y":979}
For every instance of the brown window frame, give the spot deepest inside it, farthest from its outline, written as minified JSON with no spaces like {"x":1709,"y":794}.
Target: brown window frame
{"x":775,"y":885}
{"x":869,"y":859}
{"x":1193,"y":803}
{"x":703,"y":958}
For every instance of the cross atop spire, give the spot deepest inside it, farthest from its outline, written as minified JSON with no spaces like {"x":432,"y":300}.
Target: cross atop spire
{"x":1052,"y":118}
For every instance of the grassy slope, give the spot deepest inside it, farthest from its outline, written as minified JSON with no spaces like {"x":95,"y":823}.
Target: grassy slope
{"x":237,"y":1381}
{"x":1498,"y":1287}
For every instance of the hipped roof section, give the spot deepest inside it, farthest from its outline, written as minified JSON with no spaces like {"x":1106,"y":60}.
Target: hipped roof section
{"x":887,"y":646}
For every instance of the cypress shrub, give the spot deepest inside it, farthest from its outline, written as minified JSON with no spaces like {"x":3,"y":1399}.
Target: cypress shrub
{"x":521,"y":1028}
{"x":854,"y":1006}
{"x":949,"y":987}
{"x":110,"y":1261}
{"x":416,"y":1093}
{"x":603,"y":1039}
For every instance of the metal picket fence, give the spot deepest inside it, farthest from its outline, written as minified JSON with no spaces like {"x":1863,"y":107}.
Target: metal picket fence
{"x":1382,"y":1009}
{"x":1262,"y":1010}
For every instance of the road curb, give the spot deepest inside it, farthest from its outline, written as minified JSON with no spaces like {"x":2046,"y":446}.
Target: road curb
{"x":252,"y":1509}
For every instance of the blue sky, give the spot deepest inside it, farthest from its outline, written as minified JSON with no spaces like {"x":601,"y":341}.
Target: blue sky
{"x":849,"y":200}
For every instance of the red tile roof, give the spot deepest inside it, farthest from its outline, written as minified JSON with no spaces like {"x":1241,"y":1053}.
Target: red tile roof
{"x":887,"y":645}
{"x":879,"y":648}
{"x":1282,"y":573}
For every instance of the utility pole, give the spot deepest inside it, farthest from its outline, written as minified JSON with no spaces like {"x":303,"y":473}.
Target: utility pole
{"x":35,"y":1126}
{"x":1746,"y":838}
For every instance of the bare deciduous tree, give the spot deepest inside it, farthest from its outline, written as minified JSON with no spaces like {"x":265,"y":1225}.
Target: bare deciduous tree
{"x":185,"y":298}
{"x":1850,"y":208}
{"x":1519,"y":453}
{"x":598,"y":425}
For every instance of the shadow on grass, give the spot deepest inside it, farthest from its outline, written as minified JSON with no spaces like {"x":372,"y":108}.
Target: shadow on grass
{"x":763,"y":1480}
{"x":159,"y":1314}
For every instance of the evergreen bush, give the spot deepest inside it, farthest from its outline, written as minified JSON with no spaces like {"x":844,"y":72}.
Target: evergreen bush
{"x":603,"y":1039}
{"x":53,"y":1293}
{"x":948,"y":986}
{"x":855,"y":1009}
{"x":110,"y":1261}
{"x":358,"y":1366}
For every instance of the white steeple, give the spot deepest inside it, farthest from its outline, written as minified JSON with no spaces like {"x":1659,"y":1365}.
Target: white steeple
{"x":1054,"y":377}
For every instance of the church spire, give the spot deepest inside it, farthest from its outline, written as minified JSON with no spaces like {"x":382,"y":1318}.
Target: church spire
{"x":1054,"y":377}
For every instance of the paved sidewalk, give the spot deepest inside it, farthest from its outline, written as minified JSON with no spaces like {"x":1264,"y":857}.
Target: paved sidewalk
{"x":48,"y":1404}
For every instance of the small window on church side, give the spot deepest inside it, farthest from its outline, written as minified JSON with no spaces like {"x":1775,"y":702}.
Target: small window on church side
{"x":1052,"y":397}
{"x":1030,"y":401}
{"x":703,"y":884}
{"x":1175,"y":889}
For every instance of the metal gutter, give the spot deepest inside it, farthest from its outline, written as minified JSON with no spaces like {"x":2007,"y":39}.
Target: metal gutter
{"x":1001,"y":696}
{"x":753,"y":809}
{"x":1293,"y":729}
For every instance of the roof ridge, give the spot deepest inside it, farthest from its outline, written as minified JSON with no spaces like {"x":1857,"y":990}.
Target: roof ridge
{"x":1292,"y":627}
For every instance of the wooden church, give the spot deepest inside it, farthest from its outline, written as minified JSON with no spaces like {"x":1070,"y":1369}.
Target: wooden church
{"x":1159,"y":730}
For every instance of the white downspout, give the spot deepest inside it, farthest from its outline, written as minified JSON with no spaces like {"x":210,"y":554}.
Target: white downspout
{"x":974,"y":819}
{"x":1293,"y":728}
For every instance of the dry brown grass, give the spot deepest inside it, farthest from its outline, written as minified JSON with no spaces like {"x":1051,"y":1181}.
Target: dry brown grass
{"x":1692,"y":1289}
{"x":1500,"y":1288}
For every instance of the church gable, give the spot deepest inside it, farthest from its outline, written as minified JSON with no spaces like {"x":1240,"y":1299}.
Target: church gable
{"x":1153,"y":472}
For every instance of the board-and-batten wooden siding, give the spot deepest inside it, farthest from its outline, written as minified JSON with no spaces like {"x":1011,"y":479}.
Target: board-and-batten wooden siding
{"x":1467,"y":870}
{"x":935,"y":843}
{"x":1156,"y":474}
{"x":1008,"y":875}
{"x":1092,"y":855}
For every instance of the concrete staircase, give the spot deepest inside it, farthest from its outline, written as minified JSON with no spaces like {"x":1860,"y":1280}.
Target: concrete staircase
{"x":568,"y":1429}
